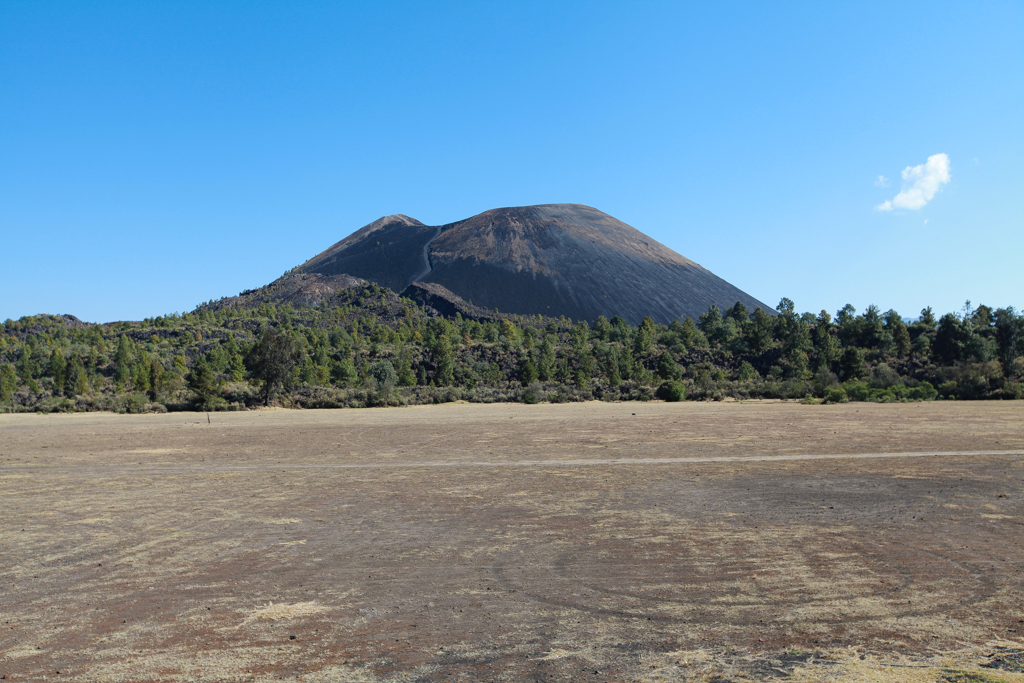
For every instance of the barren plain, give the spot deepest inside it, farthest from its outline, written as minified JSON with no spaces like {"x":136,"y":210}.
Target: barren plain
{"x":585,"y":542}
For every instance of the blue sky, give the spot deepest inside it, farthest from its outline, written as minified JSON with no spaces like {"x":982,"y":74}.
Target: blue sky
{"x":154,"y":156}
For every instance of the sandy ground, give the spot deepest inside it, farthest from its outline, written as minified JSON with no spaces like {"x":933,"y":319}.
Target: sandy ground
{"x":584,"y":542}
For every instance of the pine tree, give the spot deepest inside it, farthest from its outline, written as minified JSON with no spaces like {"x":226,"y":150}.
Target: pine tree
{"x":528,"y":372}
{"x":58,"y":370}
{"x":826,"y":344}
{"x":8,"y":382}
{"x":76,"y":383}
{"x":28,"y":367}
{"x":123,"y":361}
{"x":668,"y":368}
{"x":641,"y":341}
{"x":406,"y":377}
{"x":650,"y":326}
{"x":202,"y":380}
{"x":614,"y":378}
{"x":759,"y":331}
{"x":580,"y":336}
{"x":140,"y":375}
{"x":747,"y":372}
{"x":627,"y":363}
{"x":738,"y":312}
{"x":546,"y":359}
{"x":273,"y":360}
{"x":901,"y":339}
{"x":509,"y":331}
{"x":343,"y":372}
{"x":156,"y":379}
{"x":585,"y":367}
{"x":236,"y":367}
{"x":444,"y":359}
{"x":851,"y":364}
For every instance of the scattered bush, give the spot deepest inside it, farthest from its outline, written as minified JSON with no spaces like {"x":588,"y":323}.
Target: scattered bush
{"x":857,"y":391}
{"x":533,"y":393}
{"x":212,"y":404}
{"x":836,"y":395}
{"x":922,"y":392}
{"x":382,"y":374}
{"x":671,"y":391}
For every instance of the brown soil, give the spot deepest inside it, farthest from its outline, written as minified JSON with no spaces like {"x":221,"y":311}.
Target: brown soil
{"x":506,"y":542}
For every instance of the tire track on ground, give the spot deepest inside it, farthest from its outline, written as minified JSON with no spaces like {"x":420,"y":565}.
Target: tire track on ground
{"x":110,"y":468}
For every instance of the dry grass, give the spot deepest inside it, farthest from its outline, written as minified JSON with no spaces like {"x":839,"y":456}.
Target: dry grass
{"x":469,"y":542}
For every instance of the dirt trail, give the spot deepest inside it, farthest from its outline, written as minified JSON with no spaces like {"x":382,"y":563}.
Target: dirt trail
{"x":426,"y":258}
{"x":566,"y":462}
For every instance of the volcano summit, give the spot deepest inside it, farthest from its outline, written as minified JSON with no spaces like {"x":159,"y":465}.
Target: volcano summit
{"x":553,"y":259}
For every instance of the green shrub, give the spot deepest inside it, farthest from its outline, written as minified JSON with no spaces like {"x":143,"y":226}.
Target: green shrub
{"x":212,"y":404}
{"x":56,"y":405}
{"x":835,"y":395}
{"x":747,"y":372}
{"x":132,"y":403}
{"x":882,"y":396}
{"x":383,"y":375}
{"x":671,"y":391}
{"x":922,"y":392}
{"x":857,"y":391}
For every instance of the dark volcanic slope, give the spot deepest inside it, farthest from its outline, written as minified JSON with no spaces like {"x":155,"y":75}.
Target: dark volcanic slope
{"x":554,"y":259}
{"x":388,"y":251}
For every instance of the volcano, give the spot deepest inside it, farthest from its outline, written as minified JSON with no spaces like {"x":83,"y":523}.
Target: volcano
{"x":551,"y":259}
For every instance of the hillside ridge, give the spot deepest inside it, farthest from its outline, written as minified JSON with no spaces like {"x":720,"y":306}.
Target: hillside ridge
{"x":549,"y":259}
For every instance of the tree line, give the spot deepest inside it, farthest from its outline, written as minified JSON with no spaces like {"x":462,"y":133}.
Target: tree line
{"x":381,"y":349}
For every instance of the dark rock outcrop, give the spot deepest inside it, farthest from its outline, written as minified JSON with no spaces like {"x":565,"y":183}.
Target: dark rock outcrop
{"x":441,"y":299}
{"x":297,"y":289}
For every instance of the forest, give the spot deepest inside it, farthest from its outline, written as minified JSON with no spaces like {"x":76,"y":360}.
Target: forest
{"x":370,"y":347}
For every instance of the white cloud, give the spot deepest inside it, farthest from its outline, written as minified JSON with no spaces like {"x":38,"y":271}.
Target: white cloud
{"x":881,"y":181}
{"x":920,"y":183}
